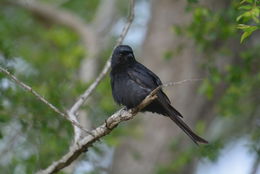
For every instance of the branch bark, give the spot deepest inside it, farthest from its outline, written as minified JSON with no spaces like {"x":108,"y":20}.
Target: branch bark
{"x":83,"y":145}
{"x":89,"y":38}
{"x":75,"y":23}
{"x":111,"y":123}
{"x":66,"y":18}
{"x":75,"y":108}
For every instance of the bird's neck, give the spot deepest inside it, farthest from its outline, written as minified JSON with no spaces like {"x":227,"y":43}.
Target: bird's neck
{"x":120,"y":68}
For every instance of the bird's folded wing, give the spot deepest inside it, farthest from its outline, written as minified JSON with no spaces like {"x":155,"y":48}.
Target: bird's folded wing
{"x":146,"y":79}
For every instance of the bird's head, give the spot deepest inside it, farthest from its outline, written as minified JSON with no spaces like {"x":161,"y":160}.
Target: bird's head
{"x":122,"y":55}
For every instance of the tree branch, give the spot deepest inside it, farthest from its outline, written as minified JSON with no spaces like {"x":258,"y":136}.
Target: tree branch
{"x":89,"y":37}
{"x":115,"y":119}
{"x":83,"y":145}
{"x":74,"y":109}
{"x":75,"y":23}
{"x":41,"y":98}
{"x":96,"y":134}
{"x":180,"y":82}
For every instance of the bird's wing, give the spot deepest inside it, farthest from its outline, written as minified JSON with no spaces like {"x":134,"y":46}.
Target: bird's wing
{"x":155,"y":78}
{"x":115,"y":95}
{"x":146,"y":79}
{"x":142,"y":77}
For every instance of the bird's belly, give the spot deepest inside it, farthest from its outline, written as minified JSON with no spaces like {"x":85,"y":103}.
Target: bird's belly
{"x":128,"y":93}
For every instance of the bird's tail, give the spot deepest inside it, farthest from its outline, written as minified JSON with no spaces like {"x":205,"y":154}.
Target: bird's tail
{"x":177,"y":119}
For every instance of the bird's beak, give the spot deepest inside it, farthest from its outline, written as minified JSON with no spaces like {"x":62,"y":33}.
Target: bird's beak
{"x":130,"y":55}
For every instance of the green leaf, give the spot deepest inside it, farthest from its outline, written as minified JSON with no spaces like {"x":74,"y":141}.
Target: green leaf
{"x":243,"y":26}
{"x":248,"y":1}
{"x":255,"y":19}
{"x":246,"y":15}
{"x":244,"y":35}
{"x":248,"y":30}
{"x":168,"y":55}
{"x":255,"y":14}
{"x":207,"y":88}
{"x":245,"y":7}
{"x":212,"y":150}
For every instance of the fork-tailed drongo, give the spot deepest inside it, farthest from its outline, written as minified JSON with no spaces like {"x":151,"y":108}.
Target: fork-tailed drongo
{"x":131,"y":82}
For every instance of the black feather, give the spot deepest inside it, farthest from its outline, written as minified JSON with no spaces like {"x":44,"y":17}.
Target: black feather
{"x":131,"y":82}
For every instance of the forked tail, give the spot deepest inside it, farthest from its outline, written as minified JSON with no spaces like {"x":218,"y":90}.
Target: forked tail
{"x":195,"y":138}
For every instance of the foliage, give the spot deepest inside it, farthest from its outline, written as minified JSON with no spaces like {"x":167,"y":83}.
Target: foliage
{"x":215,"y":34}
{"x":46,"y":57}
{"x":249,"y":18}
{"x":212,"y":32}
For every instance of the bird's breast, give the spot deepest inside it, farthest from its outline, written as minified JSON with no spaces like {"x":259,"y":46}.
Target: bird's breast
{"x":126,"y":91}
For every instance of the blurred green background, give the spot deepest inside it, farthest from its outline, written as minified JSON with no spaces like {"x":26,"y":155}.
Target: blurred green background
{"x":218,"y":41}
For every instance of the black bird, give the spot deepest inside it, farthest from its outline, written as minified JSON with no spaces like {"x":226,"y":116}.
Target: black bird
{"x":131,"y":82}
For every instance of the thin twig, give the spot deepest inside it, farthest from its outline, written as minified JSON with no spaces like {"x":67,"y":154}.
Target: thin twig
{"x":111,"y":123}
{"x":180,"y":82}
{"x":39,"y":97}
{"x":106,"y":68}
{"x":74,"y":109}
{"x":66,"y":18}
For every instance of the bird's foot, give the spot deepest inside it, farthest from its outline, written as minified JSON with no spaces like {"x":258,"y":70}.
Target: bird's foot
{"x":107,"y":125}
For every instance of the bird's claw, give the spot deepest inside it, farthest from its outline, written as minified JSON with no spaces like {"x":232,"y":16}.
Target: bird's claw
{"x":107,"y":126}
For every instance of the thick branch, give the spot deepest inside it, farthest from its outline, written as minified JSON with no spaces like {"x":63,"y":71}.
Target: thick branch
{"x":87,"y":34}
{"x":83,"y":145}
{"x":118,"y":117}
{"x":74,"y":109}
{"x":75,"y":23}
